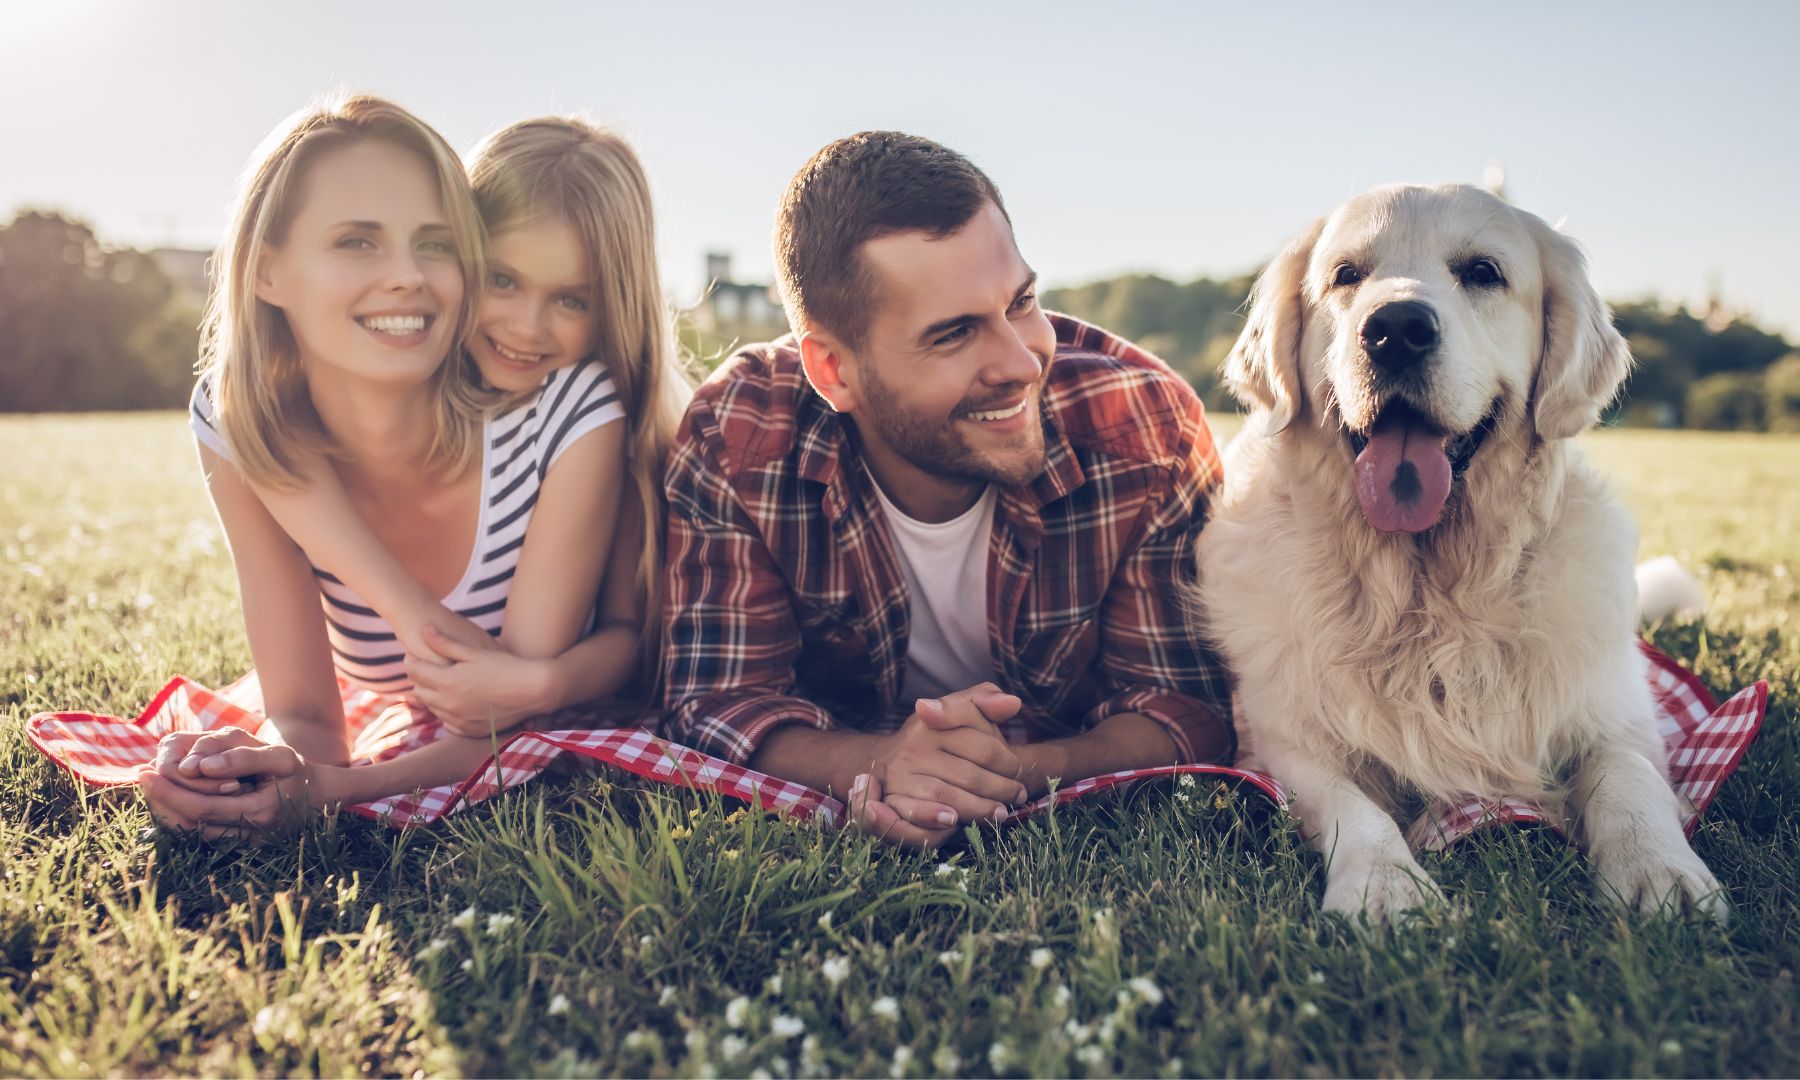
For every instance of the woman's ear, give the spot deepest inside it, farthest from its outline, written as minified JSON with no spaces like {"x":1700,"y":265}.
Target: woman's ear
{"x":1263,"y":368}
{"x":1585,"y":359}
{"x":268,"y":277}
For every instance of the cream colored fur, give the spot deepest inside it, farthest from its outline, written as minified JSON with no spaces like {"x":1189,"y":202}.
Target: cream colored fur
{"x":1494,"y":654}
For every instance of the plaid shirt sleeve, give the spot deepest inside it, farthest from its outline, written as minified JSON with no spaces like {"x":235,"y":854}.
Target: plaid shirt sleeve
{"x":1155,"y":663}
{"x":729,"y":635}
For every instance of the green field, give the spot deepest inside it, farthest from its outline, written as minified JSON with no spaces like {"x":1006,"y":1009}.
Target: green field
{"x":1178,"y":937}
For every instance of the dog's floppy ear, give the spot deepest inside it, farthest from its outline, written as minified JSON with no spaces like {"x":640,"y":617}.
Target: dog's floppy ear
{"x":1264,"y":366}
{"x":1585,"y":359}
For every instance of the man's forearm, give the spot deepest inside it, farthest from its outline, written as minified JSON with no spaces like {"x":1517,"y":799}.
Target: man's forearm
{"x":825,"y":760}
{"x":1121,"y":741}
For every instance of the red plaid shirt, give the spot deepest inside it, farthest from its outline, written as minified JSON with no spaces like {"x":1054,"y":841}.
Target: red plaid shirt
{"x":786,"y":603}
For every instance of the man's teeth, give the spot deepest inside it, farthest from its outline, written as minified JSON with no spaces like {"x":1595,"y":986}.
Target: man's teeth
{"x":395,"y":324}
{"x":999,"y":414}
{"x":516,"y":357}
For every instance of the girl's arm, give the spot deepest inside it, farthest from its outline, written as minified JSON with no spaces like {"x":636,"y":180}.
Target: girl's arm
{"x":322,"y":521}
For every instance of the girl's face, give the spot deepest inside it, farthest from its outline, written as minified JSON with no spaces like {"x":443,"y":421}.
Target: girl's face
{"x":537,"y":311}
{"x":368,"y":274}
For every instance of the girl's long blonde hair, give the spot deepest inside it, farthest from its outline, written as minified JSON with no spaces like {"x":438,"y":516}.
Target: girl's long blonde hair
{"x":566,"y":169}
{"x":247,"y":351}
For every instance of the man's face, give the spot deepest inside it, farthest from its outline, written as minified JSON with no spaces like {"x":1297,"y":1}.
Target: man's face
{"x":947,"y":383}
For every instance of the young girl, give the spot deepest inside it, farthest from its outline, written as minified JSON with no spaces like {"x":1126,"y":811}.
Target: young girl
{"x":341,"y":449}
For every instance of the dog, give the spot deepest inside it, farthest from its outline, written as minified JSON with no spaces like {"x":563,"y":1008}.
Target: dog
{"x":1422,"y":590}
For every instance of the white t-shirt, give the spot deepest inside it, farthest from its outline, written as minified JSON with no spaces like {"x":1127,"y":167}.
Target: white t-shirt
{"x":946,"y":568}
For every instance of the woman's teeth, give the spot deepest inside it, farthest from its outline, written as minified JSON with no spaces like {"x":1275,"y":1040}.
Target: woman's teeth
{"x":394,"y":324}
{"x":516,"y":357}
{"x":999,"y":414}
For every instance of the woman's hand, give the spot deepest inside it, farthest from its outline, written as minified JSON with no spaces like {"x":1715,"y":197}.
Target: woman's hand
{"x":274,"y":785}
{"x":482,"y":689}
{"x":426,"y":614}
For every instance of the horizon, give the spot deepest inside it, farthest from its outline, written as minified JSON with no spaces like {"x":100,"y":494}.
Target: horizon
{"x":1184,"y":142}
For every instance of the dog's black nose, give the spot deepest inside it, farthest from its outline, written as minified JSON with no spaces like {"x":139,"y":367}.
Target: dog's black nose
{"x":1398,"y":336}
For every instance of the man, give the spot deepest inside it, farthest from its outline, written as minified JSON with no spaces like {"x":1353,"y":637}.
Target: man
{"x":923,"y":552}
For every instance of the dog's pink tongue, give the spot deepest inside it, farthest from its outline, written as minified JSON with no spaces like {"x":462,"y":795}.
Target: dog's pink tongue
{"x":1403,"y":477}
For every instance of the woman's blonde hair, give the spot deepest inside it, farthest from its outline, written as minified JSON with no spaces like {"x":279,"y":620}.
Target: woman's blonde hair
{"x":247,"y":351}
{"x":566,"y":169}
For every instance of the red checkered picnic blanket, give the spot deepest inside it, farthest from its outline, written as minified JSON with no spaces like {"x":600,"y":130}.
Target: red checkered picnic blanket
{"x":1706,"y":741}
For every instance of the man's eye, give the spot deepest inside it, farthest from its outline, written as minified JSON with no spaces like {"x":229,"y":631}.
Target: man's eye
{"x":1024,"y":302}
{"x":954,"y":336}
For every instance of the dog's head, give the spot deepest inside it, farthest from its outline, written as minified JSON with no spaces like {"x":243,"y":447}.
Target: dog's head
{"x":1416,"y":321}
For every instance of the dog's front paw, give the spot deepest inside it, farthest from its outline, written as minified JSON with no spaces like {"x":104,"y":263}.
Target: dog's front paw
{"x":1661,"y":882}
{"x":1381,"y":890}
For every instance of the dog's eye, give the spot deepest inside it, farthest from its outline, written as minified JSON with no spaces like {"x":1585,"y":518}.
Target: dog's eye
{"x":1482,"y":273}
{"x":1346,"y":274}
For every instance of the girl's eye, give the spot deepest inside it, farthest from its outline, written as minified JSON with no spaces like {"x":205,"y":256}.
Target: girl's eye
{"x":573,"y":303}
{"x":498,"y":280}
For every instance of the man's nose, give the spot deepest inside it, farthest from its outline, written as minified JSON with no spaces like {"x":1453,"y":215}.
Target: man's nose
{"x":1016,"y":362}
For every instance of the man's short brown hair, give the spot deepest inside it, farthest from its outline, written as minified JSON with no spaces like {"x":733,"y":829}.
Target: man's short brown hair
{"x":857,"y":189}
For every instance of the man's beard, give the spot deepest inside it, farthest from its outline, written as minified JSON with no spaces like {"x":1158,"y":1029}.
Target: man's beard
{"x":934,"y":445}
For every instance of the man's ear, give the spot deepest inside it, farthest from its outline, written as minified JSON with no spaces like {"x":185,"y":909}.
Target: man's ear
{"x":827,"y":363}
{"x":1264,"y":366}
{"x":1585,"y":359}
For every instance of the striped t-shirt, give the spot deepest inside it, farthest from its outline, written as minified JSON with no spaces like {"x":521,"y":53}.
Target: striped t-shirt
{"x":518,"y":447}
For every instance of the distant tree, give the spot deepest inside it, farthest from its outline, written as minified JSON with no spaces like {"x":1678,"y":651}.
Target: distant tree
{"x":1729,"y":402}
{"x":86,"y":327}
{"x":1781,"y":390}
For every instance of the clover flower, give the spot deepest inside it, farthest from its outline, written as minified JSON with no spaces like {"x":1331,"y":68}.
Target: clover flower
{"x":1041,"y":959}
{"x":1147,"y":990}
{"x":558,"y":1005}
{"x":885,"y":1007}
{"x":836,"y":969}
{"x":786,"y":1027}
{"x":737,"y":1012}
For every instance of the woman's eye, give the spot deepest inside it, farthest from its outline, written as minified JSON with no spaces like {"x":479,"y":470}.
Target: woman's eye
{"x":1346,"y":275}
{"x":1483,"y":273}
{"x":438,"y":248}
{"x":356,"y":243}
{"x":497,"y":280}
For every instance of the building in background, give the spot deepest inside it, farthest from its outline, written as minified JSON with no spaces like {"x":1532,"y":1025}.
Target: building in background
{"x":740,"y":310}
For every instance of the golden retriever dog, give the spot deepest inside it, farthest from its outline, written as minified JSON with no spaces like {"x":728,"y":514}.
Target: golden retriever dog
{"x":1423,"y":591}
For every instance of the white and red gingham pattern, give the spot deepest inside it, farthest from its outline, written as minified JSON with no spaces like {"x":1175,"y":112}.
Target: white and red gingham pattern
{"x":1705,"y":742}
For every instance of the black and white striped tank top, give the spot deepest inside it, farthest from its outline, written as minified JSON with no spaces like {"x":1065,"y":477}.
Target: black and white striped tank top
{"x":518,"y":448}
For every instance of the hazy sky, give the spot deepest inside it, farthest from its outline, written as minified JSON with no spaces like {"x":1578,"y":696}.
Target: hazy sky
{"x":1183,"y":138}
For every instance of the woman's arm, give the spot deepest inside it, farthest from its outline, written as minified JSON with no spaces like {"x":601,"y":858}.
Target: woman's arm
{"x":282,"y":618}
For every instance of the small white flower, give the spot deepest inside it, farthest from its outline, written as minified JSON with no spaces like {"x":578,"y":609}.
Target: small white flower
{"x":1187,"y":779}
{"x":497,"y":924}
{"x":732,"y":1047}
{"x":1103,"y":925}
{"x":644,"y":943}
{"x":639,"y":1039}
{"x":836,"y":969}
{"x":999,"y":1056}
{"x":464,"y":918}
{"x":902,"y":1058}
{"x":558,"y":1005}
{"x":772,"y":986}
{"x":945,"y":1060}
{"x":737,"y":1011}
{"x":1091,"y":1056}
{"x":266,"y":1019}
{"x":433,"y":947}
{"x":1147,"y":990}
{"x":950,"y":957}
{"x":1669,"y":1048}
{"x":1123,"y":997}
{"x":1061,"y":995}
{"x":468,"y":965}
{"x":825,"y":921}
{"x":785,"y":1026}
{"x":1107,"y":1031}
{"x":1078,"y":1033}
{"x":1317,"y":978}
{"x":944,"y":869}
{"x":1041,"y":959}
{"x":667,"y":997}
{"x":885,"y":1007}
{"x":1308,"y":1010}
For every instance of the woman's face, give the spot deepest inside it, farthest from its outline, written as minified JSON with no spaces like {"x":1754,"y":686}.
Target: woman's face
{"x":368,"y":274}
{"x":537,"y":310}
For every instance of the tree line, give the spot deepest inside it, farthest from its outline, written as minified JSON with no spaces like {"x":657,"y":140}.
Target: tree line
{"x":85,"y":326}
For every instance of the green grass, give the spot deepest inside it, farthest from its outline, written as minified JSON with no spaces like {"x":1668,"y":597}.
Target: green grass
{"x":340,"y":951}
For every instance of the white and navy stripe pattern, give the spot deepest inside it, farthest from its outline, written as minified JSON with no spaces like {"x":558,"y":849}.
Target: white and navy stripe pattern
{"x":518,"y":448}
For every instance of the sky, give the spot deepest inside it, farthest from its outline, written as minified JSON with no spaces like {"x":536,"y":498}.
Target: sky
{"x":1184,"y":139}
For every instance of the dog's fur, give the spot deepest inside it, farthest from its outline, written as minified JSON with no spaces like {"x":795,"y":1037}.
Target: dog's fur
{"x":1491,"y":654}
